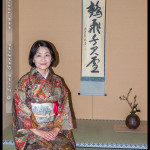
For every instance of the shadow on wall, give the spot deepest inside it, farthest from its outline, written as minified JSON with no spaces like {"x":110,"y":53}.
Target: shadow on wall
{"x":56,"y":54}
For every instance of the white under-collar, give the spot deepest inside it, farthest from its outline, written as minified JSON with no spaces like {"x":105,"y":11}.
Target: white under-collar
{"x":45,"y":75}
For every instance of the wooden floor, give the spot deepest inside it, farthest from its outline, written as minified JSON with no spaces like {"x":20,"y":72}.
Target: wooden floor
{"x":96,"y":134}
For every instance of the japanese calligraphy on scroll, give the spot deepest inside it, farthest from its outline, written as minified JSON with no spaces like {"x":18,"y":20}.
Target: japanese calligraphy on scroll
{"x":93,"y":48}
{"x":93,"y":22}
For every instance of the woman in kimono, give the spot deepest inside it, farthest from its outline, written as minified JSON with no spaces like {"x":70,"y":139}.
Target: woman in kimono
{"x":41,"y":113}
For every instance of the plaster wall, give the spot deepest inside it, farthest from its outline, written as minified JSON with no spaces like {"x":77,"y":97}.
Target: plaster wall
{"x":125,"y":51}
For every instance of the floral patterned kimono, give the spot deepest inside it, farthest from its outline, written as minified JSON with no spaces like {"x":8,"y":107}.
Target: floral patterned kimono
{"x":43,"y":104}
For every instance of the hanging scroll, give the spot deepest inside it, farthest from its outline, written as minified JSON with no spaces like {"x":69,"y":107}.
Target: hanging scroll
{"x":93,"y":48}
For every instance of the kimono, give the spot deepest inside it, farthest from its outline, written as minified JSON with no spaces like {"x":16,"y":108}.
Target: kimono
{"x":43,"y":104}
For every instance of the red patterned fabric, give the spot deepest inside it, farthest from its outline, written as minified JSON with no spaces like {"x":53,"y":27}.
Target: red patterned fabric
{"x":33,"y":88}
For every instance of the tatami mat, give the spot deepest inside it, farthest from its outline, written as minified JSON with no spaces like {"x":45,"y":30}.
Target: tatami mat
{"x":96,"y":134}
{"x":101,"y":134}
{"x":8,"y":147}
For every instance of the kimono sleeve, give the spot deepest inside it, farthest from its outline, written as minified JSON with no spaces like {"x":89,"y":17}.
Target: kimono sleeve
{"x":22,"y":114}
{"x":63,"y":119}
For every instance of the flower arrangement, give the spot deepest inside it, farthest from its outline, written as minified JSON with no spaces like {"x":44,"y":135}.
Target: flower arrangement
{"x":134,"y":106}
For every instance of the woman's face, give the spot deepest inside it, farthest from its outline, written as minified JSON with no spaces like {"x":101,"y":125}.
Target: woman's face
{"x":42,"y":58}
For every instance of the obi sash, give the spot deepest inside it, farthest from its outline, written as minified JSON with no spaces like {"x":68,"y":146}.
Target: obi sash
{"x":44,"y":112}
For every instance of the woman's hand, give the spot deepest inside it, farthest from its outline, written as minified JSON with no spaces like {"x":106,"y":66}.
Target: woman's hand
{"x":43,"y":134}
{"x":54,"y":132}
{"x":47,"y":135}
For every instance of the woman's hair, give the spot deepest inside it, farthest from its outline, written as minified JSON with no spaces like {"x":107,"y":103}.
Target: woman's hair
{"x":34,"y":49}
